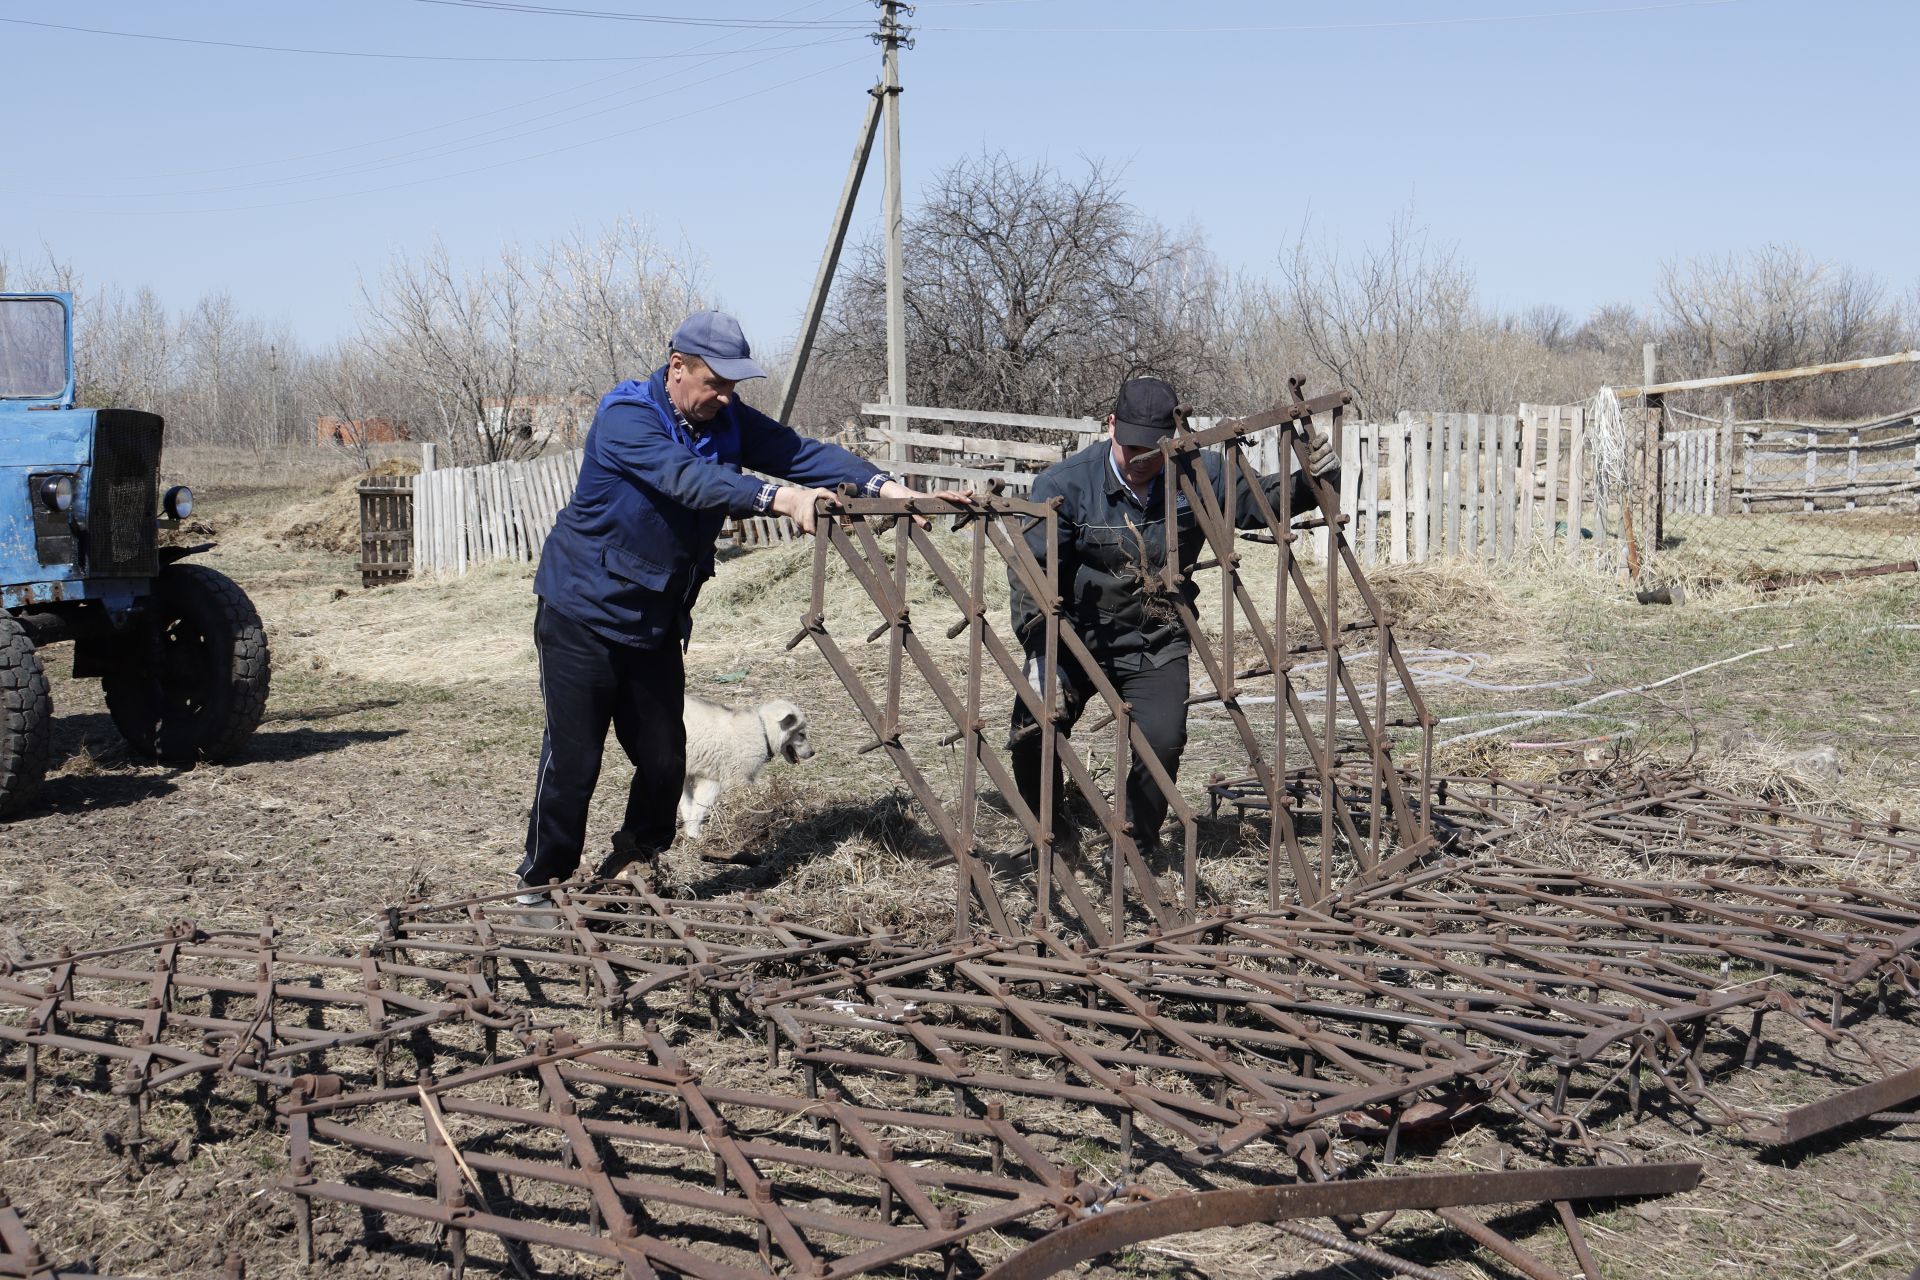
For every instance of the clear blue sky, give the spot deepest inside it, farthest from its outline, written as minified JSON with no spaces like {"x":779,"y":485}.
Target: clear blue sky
{"x":1566,"y":147}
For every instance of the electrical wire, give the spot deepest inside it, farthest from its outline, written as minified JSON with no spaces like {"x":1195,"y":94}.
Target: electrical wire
{"x":484,"y":168}
{"x":658,"y":19}
{"x":335,"y":53}
{"x":702,"y":50}
{"x":452,"y":146}
{"x":1302,"y":28}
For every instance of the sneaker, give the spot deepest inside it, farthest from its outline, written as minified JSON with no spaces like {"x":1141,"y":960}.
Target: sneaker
{"x":532,"y":895}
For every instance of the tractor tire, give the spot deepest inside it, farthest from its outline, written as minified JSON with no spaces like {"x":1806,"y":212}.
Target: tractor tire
{"x":199,"y":687}
{"x":26,"y":718}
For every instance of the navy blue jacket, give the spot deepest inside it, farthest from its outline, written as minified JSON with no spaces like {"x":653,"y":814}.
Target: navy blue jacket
{"x":629,"y":552}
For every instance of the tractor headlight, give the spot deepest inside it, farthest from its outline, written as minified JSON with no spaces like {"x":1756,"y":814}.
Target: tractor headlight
{"x":56,"y":493}
{"x":178,"y":504}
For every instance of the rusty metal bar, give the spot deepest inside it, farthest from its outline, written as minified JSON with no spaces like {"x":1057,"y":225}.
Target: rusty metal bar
{"x":1173,"y":1215}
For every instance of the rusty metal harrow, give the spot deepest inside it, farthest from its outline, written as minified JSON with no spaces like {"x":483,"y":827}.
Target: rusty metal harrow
{"x":620,"y":1151}
{"x":612,"y":947}
{"x":1251,"y":647}
{"x":944,"y":1104}
{"x":193,"y":1007}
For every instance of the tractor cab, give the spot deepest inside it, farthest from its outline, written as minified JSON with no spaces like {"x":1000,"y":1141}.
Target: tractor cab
{"x":179,"y":648}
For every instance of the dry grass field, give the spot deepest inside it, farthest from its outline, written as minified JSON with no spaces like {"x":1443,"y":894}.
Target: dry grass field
{"x":397,"y":758}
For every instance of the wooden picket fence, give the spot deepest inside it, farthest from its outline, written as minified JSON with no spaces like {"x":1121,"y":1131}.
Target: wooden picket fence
{"x":467,"y":516}
{"x":1497,"y":488}
{"x":1760,"y":467}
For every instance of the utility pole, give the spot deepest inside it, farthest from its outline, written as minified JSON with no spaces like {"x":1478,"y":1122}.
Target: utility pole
{"x":883,"y":104}
{"x":273,"y":384}
{"x":891,"y":36}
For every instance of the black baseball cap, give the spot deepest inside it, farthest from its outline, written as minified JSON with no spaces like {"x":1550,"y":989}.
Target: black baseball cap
{"x":1143,"y":415}
{"x":715,"y":337}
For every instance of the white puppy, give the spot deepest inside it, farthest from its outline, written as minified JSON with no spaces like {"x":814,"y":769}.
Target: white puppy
{"x":728,"y":747}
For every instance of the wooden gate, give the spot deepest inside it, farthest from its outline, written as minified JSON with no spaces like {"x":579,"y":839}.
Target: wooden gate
{"x":386,"y":529}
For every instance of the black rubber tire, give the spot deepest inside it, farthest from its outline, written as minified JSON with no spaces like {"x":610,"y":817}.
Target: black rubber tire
{"x":26,"y":718}
{"x":201,"y":688}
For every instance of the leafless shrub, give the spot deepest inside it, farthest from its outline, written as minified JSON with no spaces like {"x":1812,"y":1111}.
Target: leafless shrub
{"x":1777,"y":307}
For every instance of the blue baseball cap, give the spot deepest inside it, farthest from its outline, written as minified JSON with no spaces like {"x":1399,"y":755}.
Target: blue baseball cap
{"x":715,"y":337}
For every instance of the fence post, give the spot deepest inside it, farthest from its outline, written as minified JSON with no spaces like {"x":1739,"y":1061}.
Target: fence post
{"x":1425,"y":487}
{"x":1370,"y":488}
{"x":1529,"y":445}
{"x":1813,"y":468}
{"x":1726,"y":457}
{"x":1746,"y":471}
{"x":1509,"y":467}
{"x":1402,"y":490}
{"x":1576,"y":483}
{"x":1853,"y":465}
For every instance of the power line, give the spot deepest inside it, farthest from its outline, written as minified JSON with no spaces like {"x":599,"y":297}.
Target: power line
{"x":331,"y":53}
{"x":659,"y":19}
{"x":1301,"y":28}
{"x":439,"y":150}
{"x":692,"y":51}
{"x":538,"y":155}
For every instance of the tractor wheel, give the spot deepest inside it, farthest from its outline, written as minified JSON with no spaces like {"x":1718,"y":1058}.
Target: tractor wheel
{"x":26,"y":718}
{"x":198,"y":686}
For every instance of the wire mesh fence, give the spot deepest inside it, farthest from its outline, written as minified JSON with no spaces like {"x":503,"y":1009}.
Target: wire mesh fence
{"x":1767,"y":499}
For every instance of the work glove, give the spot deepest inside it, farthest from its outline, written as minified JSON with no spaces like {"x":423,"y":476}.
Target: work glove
{"x":1036,"y":672}
{"x":1320,"y":455}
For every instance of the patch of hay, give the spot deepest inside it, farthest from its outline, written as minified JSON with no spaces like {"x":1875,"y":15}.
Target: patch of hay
{"x":331,"y":522}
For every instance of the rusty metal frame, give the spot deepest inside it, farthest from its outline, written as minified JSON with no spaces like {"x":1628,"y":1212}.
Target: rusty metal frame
{"x":1384,"y":825}
{"x":600,"y":1149}
{"x":623,"y":945}
{"x":877,"y":540}
{"x":192,"y":1005}
{"x":1108,"y":1041}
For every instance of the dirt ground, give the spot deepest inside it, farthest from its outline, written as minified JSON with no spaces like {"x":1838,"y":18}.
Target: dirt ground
{"x":397,"y":758}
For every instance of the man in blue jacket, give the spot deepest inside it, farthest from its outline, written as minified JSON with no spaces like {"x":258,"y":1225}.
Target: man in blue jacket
{"x":621,"y":570}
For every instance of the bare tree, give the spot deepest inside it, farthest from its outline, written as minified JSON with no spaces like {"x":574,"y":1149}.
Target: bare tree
{"x":465,"y":339}
{"x":1027,"y":291}
{"x":1391,"y":324}
{"x":608,"y":305}
{"x":1775,"y":308}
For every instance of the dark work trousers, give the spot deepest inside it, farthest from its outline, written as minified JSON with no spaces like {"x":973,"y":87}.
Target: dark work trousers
{"x":1158,"y":696}
{"x":588,"y":683}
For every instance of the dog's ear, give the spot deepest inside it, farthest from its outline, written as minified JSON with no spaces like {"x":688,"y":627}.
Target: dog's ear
{"x":789,"y":720}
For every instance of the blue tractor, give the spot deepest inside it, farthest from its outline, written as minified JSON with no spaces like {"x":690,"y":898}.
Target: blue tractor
{"x":178,"y":648}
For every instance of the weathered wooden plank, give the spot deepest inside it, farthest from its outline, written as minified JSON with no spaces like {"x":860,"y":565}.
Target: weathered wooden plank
{"x":1079,"y":426}
{"x":1369,"y":446}
{"x":1420,"y":487}
{"x":1550,"y":494}
{"x":1350,"y":464}
{"x":1527,"y":475}
{"x":1397,"y":475}
{"x":1508,"y":467}
{"x":1470,"y":488}
{"x":1813,"y":467}
{"x":1576,"y":479}
{"x":1450,"y":478}
{"x":983,"y":445}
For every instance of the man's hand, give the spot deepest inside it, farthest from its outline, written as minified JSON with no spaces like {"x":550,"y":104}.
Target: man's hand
{"x":1320,"y":456}
{"x":799,"y":505}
